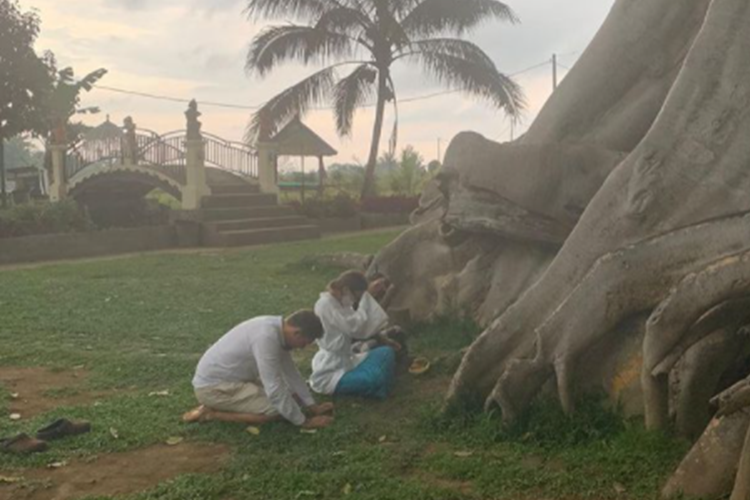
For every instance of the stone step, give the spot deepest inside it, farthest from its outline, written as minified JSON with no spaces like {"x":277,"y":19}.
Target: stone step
{"x":239,"y":200}
{"x":259,"y":223}
{"x":263,"y":236}
{"x":229,"y":214}
{"x":238,"y":188}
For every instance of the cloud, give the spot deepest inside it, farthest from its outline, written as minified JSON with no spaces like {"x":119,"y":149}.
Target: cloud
{"x":130,"y":4}
{"x":217,"y":61}
{"x":217,"y":7}
{"x":196,"y":48}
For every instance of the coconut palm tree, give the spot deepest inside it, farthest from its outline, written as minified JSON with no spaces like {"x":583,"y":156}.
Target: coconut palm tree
{"x":365,"y":38}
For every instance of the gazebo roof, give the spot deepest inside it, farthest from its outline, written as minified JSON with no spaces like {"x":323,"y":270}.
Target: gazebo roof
{"x":104,"y":131}
{"x":297,"y":139}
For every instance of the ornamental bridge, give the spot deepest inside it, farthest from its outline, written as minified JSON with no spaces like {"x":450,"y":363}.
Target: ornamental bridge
{"x":230,"y":188}
{"x":137,"y":160}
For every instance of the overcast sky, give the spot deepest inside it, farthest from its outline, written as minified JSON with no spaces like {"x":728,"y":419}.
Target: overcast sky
{"x":196,"y":49}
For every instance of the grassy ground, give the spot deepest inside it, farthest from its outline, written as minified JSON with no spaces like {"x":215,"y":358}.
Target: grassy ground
{"x":141,"y":323}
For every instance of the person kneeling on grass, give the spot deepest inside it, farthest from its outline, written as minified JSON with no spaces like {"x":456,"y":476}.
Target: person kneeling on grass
{"x":350,"y":314}
{"x":248,"y":375}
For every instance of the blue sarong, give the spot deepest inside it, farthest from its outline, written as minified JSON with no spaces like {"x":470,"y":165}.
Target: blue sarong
{"x":373,"y":378}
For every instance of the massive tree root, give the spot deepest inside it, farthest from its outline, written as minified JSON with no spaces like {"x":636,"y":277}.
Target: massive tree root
{"x":663,"y":236}
{"x":705,"y":367}
{"x":648,"y":137}
{"x":693,"y":296}
{"x":528,"y":195}
{"x":709,"y":469}
{"x":620,"y":284}
{"x":690,"y":167}
{"x":718,"y":462}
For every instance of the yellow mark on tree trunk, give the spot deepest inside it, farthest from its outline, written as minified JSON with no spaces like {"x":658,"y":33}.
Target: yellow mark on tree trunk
{"x":629,"y":373}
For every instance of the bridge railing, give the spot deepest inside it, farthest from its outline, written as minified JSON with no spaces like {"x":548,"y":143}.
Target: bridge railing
{"x":234,"y":156}
{"x":85,"y":153}
{"x":167,"y":153}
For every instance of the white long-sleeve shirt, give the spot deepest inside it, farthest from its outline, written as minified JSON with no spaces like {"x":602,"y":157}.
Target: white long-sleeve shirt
{"x":342,"y":325}
{"x":255,"y":351}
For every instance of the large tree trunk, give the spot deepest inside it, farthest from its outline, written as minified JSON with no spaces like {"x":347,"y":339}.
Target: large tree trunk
{"x":690,"y":167}
{"x":665,"y":236}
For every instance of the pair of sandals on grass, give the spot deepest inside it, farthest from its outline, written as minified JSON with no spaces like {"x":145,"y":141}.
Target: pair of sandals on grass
{"x":23,"y":443}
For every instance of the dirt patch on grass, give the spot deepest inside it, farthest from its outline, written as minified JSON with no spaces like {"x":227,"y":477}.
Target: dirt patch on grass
{"x":462,"y":487}
{"x":41,"y":389}
{"x":115,"y":473}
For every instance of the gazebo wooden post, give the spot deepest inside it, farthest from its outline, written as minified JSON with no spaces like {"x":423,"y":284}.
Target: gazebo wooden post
{"x":321,"y":176}
{"x":302,"y":193}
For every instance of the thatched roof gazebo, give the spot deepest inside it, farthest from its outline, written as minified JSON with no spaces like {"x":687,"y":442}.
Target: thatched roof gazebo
{"x":105,"y":131}
{"x":102,"y":142}
{"x":297,"y":139}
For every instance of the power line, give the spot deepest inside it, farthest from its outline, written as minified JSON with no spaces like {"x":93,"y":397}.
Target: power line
{"x":173,"y":99}
{"x":256,"y":107}
{"x":575,"y":52}
{"x":540,"y":65}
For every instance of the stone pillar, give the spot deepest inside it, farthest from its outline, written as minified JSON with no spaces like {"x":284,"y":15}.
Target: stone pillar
{"x":129,"y":145}
{"x":267,"y":168}
{"x":195,"y":175}
{"x":58,"y":188}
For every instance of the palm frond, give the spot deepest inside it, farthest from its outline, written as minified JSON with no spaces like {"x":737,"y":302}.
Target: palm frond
{"x":449,"y":46}
{"x":431,"y":17}
{"x":348,"y":20}
{"x":303,"y":10}
{"x":296,"y":100}
{"x":278,"y":44}
{"x":88,"y":81}
{"x":475,"y":79}
{"x":386,"y":26}
{"x":350,"y":93}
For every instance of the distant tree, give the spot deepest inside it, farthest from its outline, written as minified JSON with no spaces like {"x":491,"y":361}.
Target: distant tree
{"x":64,"y":103}
{"x":346,"y":177}
{"x":371,"y":35}
{"x":25,"y":79}
{"x":388,"y":162}
{"x":20,"y":152}
{"x":407,"y":180}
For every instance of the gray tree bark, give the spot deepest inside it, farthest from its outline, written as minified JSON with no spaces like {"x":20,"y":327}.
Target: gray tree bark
{"x":628,"y":198}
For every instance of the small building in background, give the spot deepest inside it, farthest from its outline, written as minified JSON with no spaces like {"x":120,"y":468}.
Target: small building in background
{"x":26,"y":183}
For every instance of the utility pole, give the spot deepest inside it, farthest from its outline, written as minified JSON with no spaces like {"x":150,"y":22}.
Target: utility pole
{"x":554,"y":71}
{"x":439,"y":151}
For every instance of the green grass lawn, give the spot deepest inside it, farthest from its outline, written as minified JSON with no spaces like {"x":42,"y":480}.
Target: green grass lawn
{"x":139,"y":324}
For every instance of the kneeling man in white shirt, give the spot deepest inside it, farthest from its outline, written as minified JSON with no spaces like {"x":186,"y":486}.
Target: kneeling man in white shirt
{"x":249,"y":376}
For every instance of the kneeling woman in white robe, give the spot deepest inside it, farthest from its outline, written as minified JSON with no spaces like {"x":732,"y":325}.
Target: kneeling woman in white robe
{"x":337,"y":369}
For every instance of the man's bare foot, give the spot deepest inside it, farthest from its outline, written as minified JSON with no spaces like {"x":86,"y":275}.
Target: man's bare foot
{"x":200,"y":414}
{"x":322,"y":409}
{"x":318,"y":422}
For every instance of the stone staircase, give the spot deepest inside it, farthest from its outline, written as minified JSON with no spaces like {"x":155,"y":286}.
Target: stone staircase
{"x":239,"y":215}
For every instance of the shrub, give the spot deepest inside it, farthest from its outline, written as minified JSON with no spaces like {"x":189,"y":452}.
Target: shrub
{"x":342,"y":205}
{"x":390,"y":204}
{"x":128,"y":212}
{"x":43,"y":218}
